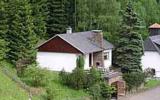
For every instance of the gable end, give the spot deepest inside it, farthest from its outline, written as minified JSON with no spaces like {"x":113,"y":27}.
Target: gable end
{"x":57,"y":44}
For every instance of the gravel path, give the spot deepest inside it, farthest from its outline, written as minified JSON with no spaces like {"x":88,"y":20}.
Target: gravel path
{"x":153,"y":94}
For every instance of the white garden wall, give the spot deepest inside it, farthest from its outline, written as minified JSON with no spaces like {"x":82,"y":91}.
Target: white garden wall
{"x":151,"y":60}
{"x":59,"y":61}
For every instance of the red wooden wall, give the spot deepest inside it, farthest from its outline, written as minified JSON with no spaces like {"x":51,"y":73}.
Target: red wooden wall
{"x":58,"y":45}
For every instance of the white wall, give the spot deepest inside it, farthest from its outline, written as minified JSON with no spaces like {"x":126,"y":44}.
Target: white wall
{"x":108,"y":62}
{"x":58,"y":61}
{"x":151,"y":60}
{"x":86,"y":59}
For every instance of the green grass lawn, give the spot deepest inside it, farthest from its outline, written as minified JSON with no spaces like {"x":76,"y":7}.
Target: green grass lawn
{"x":9,"y":90}
{"x":152,"y":83}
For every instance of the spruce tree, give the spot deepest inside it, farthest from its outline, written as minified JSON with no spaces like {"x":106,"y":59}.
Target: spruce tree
{"x":39,"y":13}
{"x":21,"y":36}
{"x":129,"y":45}
{"x":57,"y":19}
{"x":3,"y":29}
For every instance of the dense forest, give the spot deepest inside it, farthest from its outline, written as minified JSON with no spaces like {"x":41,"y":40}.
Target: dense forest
{"x":24,"y":23}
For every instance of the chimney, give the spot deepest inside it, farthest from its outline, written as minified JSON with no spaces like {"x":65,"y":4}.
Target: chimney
{"x":98,"y":57}
{"x":98,"y":37}
{"x":69,"y":30}
{"x":154,"y":29}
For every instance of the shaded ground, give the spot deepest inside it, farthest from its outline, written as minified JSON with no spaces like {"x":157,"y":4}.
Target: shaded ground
{"x":153,"y":94}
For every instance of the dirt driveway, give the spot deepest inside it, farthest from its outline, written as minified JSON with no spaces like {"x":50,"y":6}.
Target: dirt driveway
{"x":153,"y":94}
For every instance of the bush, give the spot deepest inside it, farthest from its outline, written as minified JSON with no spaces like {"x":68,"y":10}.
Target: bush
{"x":95,"y":92}
{"x":34,"y":76}
{"x":93,"y":77}
{"x":134,"y":79}
{"x":80,"y":62}
{"x":64,"y":77}
{"x":51,"y":94}
{"x":149,"y":72}
{"x":106,"y":90}
{"x":78,"y":78}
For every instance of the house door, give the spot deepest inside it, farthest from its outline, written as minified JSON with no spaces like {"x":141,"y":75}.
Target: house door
{"x":90,"y":60}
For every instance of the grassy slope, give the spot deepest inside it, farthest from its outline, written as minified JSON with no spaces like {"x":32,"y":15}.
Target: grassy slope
{"x":63,"y":92}
{"x":10,"y":91}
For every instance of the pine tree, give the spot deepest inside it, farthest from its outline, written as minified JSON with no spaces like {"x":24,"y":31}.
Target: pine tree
{"x":70,"y":9}
{"x":21,"y":36}
{"x":129,"y":46}
{"x":3,"y":29}
{"x":39,"y":13}
{"x":57,"y":19}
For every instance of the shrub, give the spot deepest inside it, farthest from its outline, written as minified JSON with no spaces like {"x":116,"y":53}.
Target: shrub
{"x":64,"y":77}
{"x":95,"y":92}
{"x":149,"y":72}
{"x":134,"y":79}
{"x":80,"y":62}
{"x":34,"y":76}
{"x":93,"y":77}
{"x":77,"y":78}
{"x":51,"y":94}
{"x":106,"y":90}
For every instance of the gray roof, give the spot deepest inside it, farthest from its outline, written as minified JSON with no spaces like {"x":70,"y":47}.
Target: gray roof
{"x":152,"y":43}
{"x":82,"y":42}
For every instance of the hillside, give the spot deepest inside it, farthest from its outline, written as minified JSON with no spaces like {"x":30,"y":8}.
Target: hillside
{"x":9,"y":90}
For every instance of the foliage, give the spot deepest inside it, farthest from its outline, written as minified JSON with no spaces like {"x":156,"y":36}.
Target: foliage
{"x":129,"y":45}
{"x":95,"y":92}
{"x":64,"y":77}
{"x":94,"y":14}
{"x":57,"y":19}
{"x":35,"y":76}
{"x":77,"y":78}
{"x":51,"y":94}
{"x":80,"y":62}
{"x":62,"y":91}
{"x":3,"y":29}
{"x":3,"y":50}
{"x":93,"y":77}
{"x":21,"y":36}
{"x":134,"y":79}
{"x":149,"y":72}
{"x":39,"y":14}
{"x":106,"y":90}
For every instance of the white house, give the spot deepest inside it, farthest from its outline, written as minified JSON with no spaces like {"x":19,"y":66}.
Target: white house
{"x":61,"y":51}
{"x":151,"y":57}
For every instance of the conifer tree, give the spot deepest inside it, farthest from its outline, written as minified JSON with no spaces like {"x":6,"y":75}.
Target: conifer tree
{"x":129,"y":46}
{"x":21,"y":36}
{"x":39,"y":13}
{"x":3,"y":29}
{"x":57,"y":19}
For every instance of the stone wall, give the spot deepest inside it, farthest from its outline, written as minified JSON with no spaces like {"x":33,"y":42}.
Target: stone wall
{"x":98,"y":57}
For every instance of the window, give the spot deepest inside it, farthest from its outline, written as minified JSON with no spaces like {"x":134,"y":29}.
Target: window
{"x":106,"y":55}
